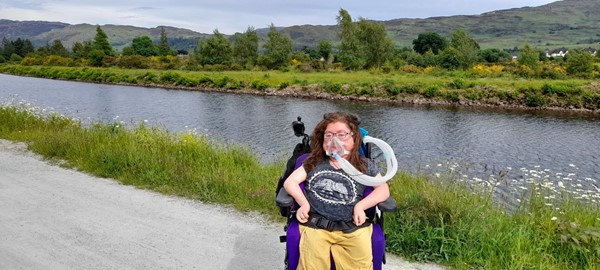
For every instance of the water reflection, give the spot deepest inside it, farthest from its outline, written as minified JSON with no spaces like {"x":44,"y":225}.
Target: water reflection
{"x":477,"y":146}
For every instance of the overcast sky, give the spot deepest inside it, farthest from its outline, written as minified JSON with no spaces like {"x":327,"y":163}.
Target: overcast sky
{"x":230,"y":16}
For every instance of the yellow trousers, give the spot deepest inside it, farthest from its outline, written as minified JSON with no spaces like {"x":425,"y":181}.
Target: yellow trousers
{"x":350,"y":251}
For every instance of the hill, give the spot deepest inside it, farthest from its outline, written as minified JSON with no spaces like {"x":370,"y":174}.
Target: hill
{"x":566,"y":23}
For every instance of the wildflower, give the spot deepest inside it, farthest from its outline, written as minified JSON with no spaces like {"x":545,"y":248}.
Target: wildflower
{"x":554,"y":218}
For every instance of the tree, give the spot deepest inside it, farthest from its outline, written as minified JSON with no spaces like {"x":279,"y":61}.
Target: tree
{"x":163,"y":45}
{"x":82,"y":49}
{"x":59,"y":49}
{"x":8,"y":48}
{"x":351,"y":55}
{"x":493,"y":56}
{"x":215,"y":50}
{"x":278,"y":49}
{"x":23,"y":47}
{"x":429,"y":41}
{"x":245,"y":48}
{"x":101,"y":42}
{"x":450,"y":58}
{"x":529,"y":57}
{"x":466,"y":48}
{"x":378,"y":47}
{"x":325,"y":49}
{"x":141,"y":46}
{"x":580,"y":62}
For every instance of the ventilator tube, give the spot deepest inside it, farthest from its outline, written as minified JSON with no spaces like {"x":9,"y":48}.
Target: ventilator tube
{"x":388,"y":154}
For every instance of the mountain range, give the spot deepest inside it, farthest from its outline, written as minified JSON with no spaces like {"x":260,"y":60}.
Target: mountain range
{"x":566,"y":23}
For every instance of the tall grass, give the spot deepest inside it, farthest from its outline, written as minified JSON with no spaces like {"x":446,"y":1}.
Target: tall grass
{"x":438,"y":221}
{"x":183,"y":164}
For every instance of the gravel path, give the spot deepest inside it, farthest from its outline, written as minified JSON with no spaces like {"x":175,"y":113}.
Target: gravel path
{"x":54,"y":218}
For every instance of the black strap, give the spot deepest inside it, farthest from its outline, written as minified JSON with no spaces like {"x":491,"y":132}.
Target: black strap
{"x":320,"y":222}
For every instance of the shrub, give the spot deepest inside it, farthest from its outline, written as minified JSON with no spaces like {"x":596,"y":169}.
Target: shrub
{"x":184,"y":81}
{"x":411,"y":69}
{"x":283,"y":85}
{"x":391,"y":87}
{"x":332,"y":87}
{"x":148,"y":77}
{"x":452,"y":96}
{"x":170,"y":77}
{"x":222,"y":82}
{"x":259,"y":85}
{"x":560,"y":90}
{"x":458,"y":84}
{"x":15,"y":58}
{"x":216,"y":67}
{"x":206,"y":81}
{"x":431,"y":91}
{"x":410,"y":88}
{"x":234,"y":85}
{"x":32,"y":60}
{"x":533,"y":98}
{"x":132,"y":61}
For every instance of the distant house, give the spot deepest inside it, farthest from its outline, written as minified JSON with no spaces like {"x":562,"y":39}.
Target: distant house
{"x":182,"y":53}
{"x":563,"y":51}
{"x":591,"y":50}
{"x":557,"y":52}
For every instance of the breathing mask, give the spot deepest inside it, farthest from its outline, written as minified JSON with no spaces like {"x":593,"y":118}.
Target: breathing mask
{"x":336,"y":146}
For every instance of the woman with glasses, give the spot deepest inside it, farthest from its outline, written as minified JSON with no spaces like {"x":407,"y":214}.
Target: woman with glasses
{"x":332,"y":207}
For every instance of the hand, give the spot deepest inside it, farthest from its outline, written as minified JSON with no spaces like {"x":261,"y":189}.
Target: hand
{"x":302,"y":213}
{"x":359,"y":215}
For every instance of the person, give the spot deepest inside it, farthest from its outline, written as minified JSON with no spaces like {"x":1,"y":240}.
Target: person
{"x":332,"y":208}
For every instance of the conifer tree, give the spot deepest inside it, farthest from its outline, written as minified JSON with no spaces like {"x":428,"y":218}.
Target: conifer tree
{"x":163,"y":46}
{"x":101,"y":42}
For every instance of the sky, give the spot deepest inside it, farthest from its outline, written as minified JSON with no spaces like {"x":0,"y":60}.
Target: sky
{"x":231,"y":16}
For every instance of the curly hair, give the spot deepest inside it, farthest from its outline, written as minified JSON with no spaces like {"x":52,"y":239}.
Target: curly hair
{"x":318,"y":155}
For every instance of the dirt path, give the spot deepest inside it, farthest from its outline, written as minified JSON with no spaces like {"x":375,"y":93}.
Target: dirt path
{"x":54,"y":218}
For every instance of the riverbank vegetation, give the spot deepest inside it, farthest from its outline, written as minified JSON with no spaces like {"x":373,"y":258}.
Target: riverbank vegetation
{"x":365,"y":64}
{"x":427,"y":87}
{"x":436,"y":221}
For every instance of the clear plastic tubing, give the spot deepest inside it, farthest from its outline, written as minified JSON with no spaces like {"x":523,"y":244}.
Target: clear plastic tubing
{"x":390,"y":159}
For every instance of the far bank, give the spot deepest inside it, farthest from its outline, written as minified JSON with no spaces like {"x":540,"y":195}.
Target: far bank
{"x":436,"y":88}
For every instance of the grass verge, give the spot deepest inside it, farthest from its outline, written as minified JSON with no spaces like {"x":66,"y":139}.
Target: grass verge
{"x":436,"y":221}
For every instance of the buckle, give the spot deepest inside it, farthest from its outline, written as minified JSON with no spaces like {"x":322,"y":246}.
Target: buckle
{"x":321,"y":222}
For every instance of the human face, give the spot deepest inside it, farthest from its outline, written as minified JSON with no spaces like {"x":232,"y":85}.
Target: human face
{"x":339,"y":128}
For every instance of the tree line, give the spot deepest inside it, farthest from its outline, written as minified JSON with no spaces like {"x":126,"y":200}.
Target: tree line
{"x":363,"y":45}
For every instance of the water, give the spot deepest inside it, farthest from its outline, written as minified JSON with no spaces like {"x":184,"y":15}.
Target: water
{"x":507,"y":151}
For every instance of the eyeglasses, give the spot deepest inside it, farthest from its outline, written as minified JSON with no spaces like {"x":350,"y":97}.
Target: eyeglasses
{"x":339,"y":135}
